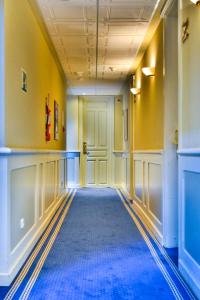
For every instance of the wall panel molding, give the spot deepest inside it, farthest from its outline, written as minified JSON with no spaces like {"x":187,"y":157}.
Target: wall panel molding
{"x":73,"y":169}
{"x":33,"y":188}
{"x":189,"y":219}
{"x":14,"y":151}
{"x":148,"y":189}
{"x":153,"y":201}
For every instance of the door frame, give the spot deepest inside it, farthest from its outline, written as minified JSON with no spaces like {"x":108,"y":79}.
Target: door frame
{"x":170,"y":163}
{"x":2,"y":73}
{"x":82,"y":101}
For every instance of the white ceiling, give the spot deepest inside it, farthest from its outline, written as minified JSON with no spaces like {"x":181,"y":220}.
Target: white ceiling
{"x":72,"y":27}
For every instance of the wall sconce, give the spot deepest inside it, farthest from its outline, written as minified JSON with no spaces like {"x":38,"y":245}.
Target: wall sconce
{"x":135,"y":91}
{"x":148,"y":71}
{"x":196,"y":2}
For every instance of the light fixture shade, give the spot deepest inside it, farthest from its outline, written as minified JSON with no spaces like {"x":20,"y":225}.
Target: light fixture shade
{"x":135,"y":91}
{"x":148,"y":71}
{"x":196,"y":2}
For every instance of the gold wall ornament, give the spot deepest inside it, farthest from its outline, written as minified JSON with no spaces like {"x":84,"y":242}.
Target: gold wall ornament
{"x":196,"y":2}
{"x":185,"y":30}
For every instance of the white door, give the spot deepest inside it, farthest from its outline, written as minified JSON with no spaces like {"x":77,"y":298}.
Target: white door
{"x":97,"y":140}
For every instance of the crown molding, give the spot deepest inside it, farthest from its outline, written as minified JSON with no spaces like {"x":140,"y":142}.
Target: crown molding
{"x":153,"y":25}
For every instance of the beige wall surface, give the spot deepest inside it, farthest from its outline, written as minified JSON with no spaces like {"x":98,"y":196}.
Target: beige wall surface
{"x":26,"y":48}
{"x":149,"y":106}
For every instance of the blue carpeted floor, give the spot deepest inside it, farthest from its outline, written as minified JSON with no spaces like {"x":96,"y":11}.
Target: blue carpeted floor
{"x":99,"y":253}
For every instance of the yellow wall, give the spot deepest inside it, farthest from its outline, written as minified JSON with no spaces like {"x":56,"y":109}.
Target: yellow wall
{"x":26,"y":48}
{"x":149,"y":107}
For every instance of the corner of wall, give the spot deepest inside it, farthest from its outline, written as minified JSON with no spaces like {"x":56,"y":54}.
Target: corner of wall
{"x":2,"y":76}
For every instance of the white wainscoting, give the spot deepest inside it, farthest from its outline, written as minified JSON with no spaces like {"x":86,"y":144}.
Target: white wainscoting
{"x":33,"y":185}
{"x":155,"y":198}
{"x":148,"y":190}
{"x":73,"y":169}
{"x":121,"y":170}
{"x":189,"y":218}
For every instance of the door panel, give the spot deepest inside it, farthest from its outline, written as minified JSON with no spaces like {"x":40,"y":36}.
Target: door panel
{"x":102,"y":127}
{"x":91,"y":171}
{"x":90,"y":128}
{"x":103,"y":172}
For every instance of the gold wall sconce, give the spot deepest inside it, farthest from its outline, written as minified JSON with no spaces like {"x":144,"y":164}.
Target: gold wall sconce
{"x":135,"y":91}
{"x":148,"y":71}
{"x":196,"y":2}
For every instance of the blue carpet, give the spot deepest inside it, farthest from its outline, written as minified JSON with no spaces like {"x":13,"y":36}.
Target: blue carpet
{"x":99,"y":253}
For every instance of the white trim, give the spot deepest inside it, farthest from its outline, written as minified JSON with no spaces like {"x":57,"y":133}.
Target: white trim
{"x":188,"y":276}
{"x":148,"y":151}
{"x":147,"y":222}
{"x":73,"y":151}
{"x":120,"y":152}
{"x":74,"y":186}
{"x":126,"y":193}
{"x":189,"y":151}
{"x":6,"y":150}
{"x":2,"y":74}
{"x":166,"y":8}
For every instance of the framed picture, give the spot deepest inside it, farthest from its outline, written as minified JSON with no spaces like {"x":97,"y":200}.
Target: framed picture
{"x":126,"y":124}
{"x":47,"y":120}
{"x":63,"y":121}
{"x":56,"y":121}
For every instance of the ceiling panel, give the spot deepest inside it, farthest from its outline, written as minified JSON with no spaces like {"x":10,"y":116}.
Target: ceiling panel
{"x":126,"y":12}
{"x":72,"y":27}
{"x":60,"y":11}
{"x":69,"y":28}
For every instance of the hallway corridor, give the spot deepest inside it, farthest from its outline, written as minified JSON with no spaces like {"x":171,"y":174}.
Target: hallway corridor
{"x":96,"y":248}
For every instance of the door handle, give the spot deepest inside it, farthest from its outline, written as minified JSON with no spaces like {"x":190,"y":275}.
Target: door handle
{"x":85,"y":148}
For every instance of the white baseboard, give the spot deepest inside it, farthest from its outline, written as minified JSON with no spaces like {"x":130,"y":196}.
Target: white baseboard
{"x":127,"y":194}
{"x":189,"y":278}
{"x":147,"y":222}
{"x":7,"y":278}
{"x":74,"y":186}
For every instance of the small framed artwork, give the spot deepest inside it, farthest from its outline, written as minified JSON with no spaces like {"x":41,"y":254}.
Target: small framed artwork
{"x":56,"y":121}
{"x":24,"y":81}
{"x":185,"y":30}
{"x":126,"y":124}
{"x":63,"y":121}
{"x":47,"y":119}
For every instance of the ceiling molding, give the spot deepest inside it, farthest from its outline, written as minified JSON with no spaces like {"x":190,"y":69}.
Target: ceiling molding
{"x":153,"y":25}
